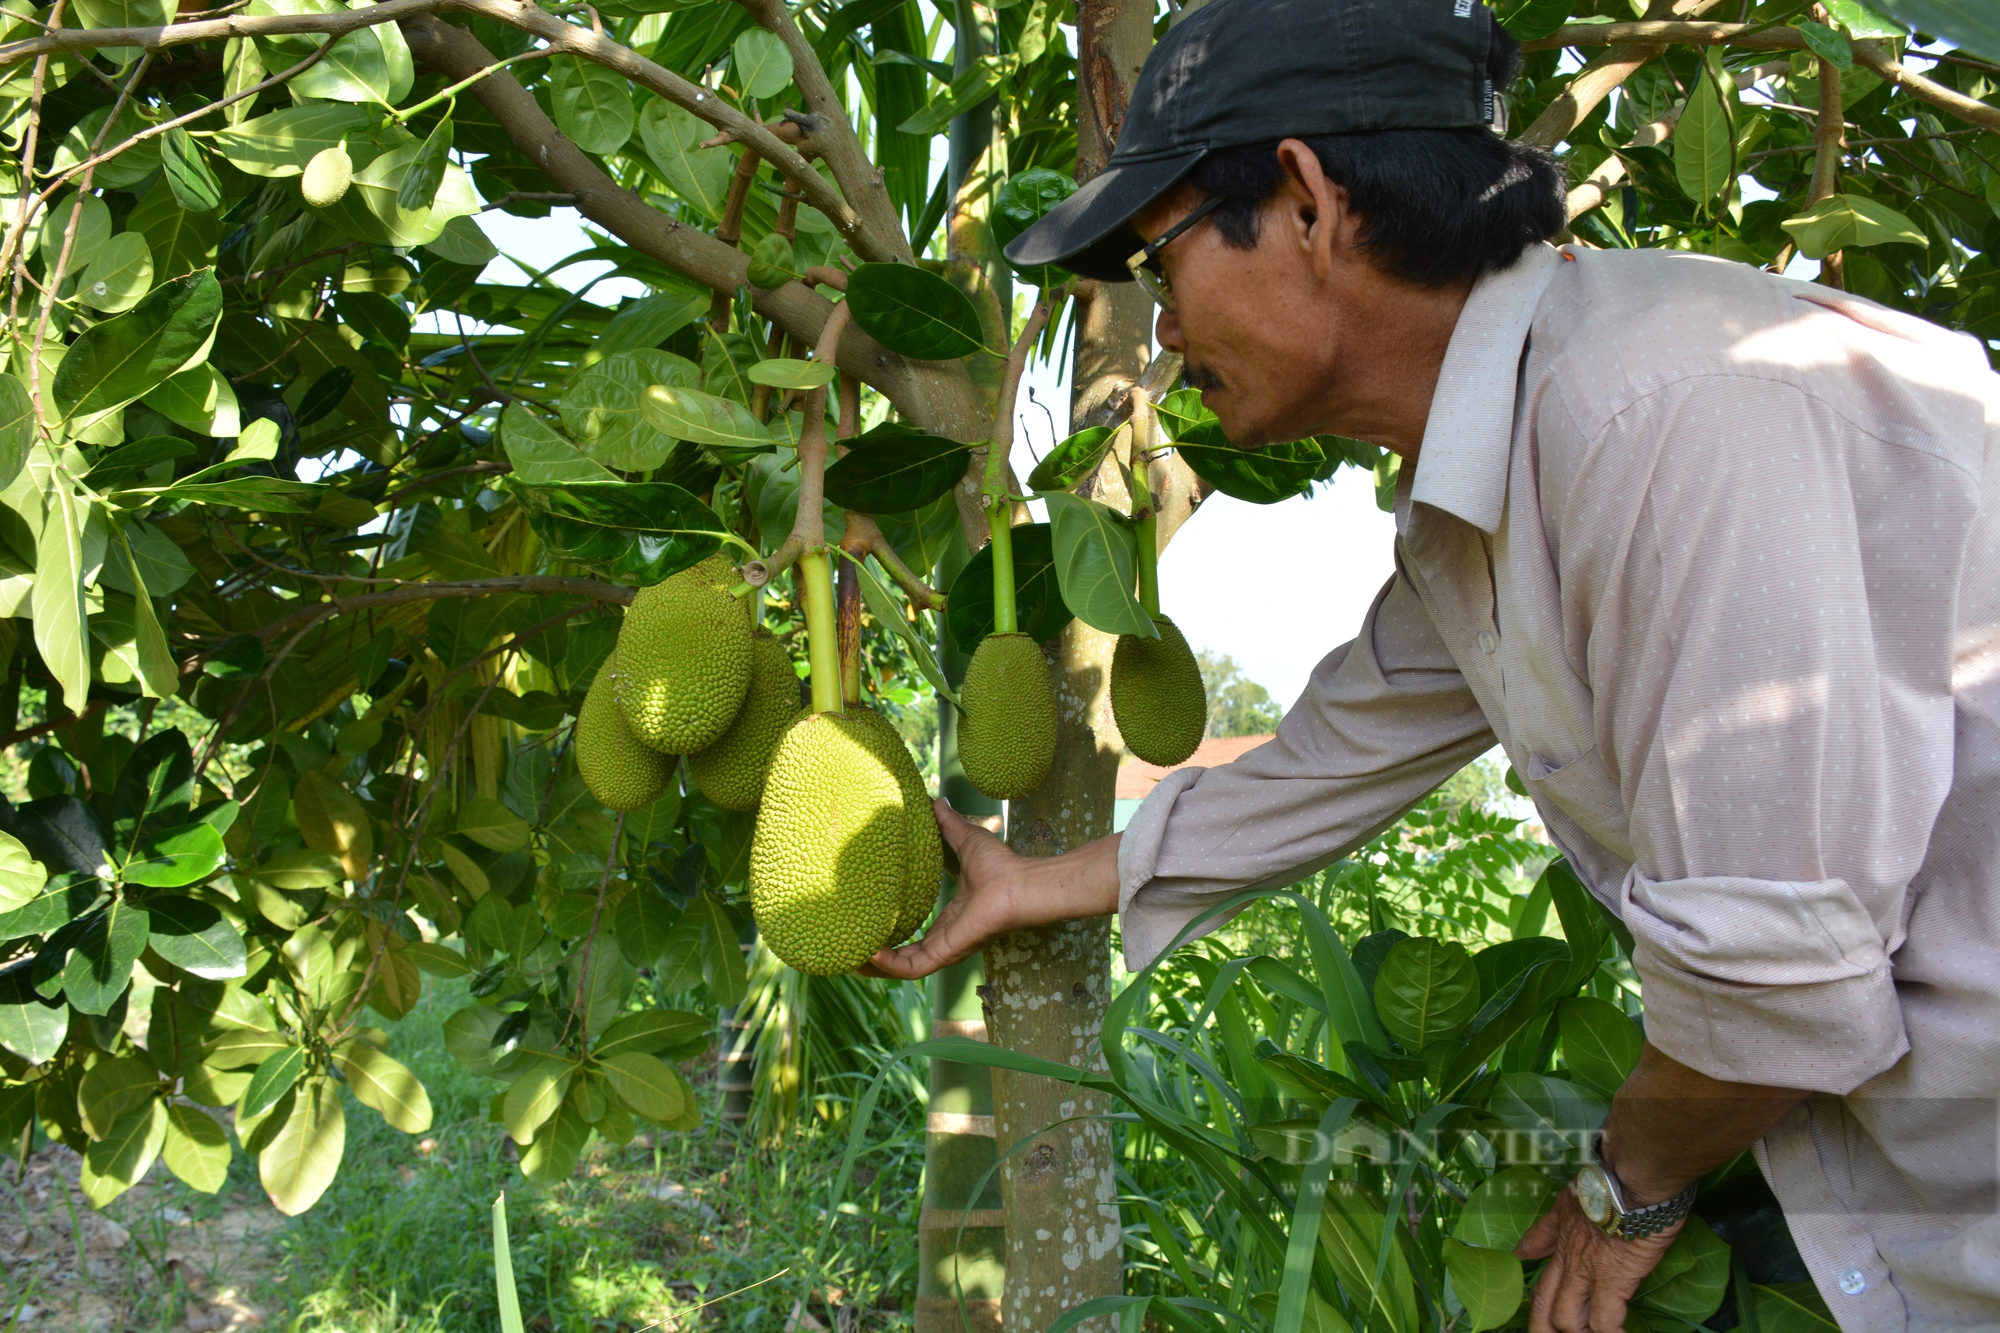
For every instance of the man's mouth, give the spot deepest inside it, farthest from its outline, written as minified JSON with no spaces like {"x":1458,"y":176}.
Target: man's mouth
{"x":1200,"y":377}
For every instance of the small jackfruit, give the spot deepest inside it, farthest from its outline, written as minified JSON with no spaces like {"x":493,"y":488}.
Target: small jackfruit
{"x":925,"y":864}
{"x":731,"y":771}
{"x":829,"y":858}
{"x":684,"y":659}
{"x":1157,"y":696}
{"x":327,"y":177}
{"x":619,"y":771}
{"x":1007,"y":728}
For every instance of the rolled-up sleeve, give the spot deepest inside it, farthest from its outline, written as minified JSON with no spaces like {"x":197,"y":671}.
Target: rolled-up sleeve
{"x":1770,"y":653}
{"x":1383,"y":720}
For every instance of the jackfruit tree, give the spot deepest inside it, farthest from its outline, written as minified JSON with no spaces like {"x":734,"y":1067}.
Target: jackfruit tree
{"x":360,"y":606}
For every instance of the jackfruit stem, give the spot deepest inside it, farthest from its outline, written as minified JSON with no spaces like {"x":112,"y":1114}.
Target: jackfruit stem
{"x":1149,"y":563}
{"x":1145,"y":514}
{"x":1004,"y":614}
{"x":999,"y":504}
{"x":815,"y":578}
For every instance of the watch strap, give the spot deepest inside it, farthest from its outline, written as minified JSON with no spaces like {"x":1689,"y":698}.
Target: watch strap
{"x":1638,"y":1223}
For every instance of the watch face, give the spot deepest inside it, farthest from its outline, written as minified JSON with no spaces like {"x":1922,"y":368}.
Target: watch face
{"x":1593,"y":1195}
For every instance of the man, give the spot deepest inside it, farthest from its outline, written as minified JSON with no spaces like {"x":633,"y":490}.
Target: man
{"x":1715,"y":557}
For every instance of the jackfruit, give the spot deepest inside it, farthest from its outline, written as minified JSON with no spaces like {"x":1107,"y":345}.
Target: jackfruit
{"x":731,"y":771}
{"x":327,"y":176}
{"x":684,"y":655}
{"x":619,"y":771}
{"x":829,"y":858}
{"x":925,"y":864}
{"x":1157,"y":696}
{"x":1007,"y":728}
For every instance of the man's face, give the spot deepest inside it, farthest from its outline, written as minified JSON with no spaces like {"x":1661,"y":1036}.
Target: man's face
{"x":1256,"y":326}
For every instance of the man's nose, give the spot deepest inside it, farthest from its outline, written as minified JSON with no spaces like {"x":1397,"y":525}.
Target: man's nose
{"x":1169,"y":330}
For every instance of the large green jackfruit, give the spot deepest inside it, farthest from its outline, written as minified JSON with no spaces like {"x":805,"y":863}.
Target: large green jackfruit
{"x":619,"y":771}
{"x":925,"y":864}
{"x":684,"y":654}
{"x":1007,"y":728}
{"x":1157,"y":696}
{"x":731,"y":771}
{"x":829,"y":858}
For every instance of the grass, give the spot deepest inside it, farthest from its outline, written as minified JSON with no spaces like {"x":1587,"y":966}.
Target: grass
{"x":401,"y":1243}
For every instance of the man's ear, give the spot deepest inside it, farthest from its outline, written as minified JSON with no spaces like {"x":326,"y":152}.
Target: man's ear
{"x":1312,"y":210}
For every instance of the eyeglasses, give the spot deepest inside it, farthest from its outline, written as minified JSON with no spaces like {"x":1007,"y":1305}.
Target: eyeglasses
{"x":1145,"y":264}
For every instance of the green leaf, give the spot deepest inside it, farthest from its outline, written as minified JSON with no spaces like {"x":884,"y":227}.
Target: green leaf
{"x":1502,"y":1207}
{"x":1427,"y":990}
{"x":243,"y":1048}
{"x":1690,"y":1278}
{"x":1827,"y":44}
{"x":100,"y":966}
{"x":540,"y":456}
{"x":30,"y":1026}
{"x":1489,"y":1284}
{"x":281,"y":143}
{"x":642,"y":922}
{"x":722,"y":965}
{"x":1703,"y":147}
{"x":672,"y":138}
{"x":491,"y":825}
{"x":1842,"y":220}
{"x":1530,"y":20}
{"x":642,"y":325}
{"x":1600,"y":1044}
{"x":273,"y":1079}
{"x":554,"y":1153}
{"x":370,"y":210}
{"x":721,"y":423}
{"x":372,"y":65}
{"x":118,"y":276}
{"x":112,"y":1089}
{"x":21,"y":875}
{"x":1350,"y":1235}
{"x":773,"y":263}
{"x":384,"y":1085}
{"x":195,"y":937}
{"x":196,"y":1149}
{"x":116,"y":1162}
{"x":93,"y":229}
{"x":303,"y":1158}
{"x":604,"y":408}
{"x":760,"y":64}
{"x":1071,"y":461}
{"x":895,"y":468}
{"x":188,"y":174}
{"x":913,"y":312}
{"x":533,"y":1098}
{"x":1550,"y":1111}
{"x":633,"y":533}
{"x":649,"y":1087}
{"x":791,"y":373}
{"x":652,"y":1031}
{"x":124,"y":14}
{"x":1096,"y":558}
{"x":299,"y":870}
{"x":269,"y":495}
{"x":882,"y":604}
{"x":1023,"y":201}
{"x":973,"y":85}
{"x":593,"y":105}
{"x":17,"y":428}
{"x":116,"y":361}
{"x":1038,"y":603}
{"x":177,"y":857}
{"x":200,"y":398}
{"x":129,"y":167}
{"x":1862,"y":20}
{"x":1793,"y":1307}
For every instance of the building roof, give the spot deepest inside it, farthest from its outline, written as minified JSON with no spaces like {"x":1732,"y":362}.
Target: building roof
{"x":1136,"y":777}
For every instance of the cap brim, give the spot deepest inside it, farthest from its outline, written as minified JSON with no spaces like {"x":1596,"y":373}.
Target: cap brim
{"x":1090,"y":233}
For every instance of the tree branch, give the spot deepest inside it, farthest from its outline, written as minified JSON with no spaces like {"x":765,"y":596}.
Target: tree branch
{"x":939,"y":398}
{"x":163,"y":37}
{"x":612,"y":593}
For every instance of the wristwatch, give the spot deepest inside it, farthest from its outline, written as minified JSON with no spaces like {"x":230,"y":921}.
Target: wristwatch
{"x":1597,"y":1193}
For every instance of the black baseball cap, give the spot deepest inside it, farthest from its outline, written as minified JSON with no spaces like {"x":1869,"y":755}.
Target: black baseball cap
{"x":1240,"y":72}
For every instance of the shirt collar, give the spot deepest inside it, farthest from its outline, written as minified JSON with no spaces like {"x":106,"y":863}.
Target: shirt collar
{"x":1462,"y":467}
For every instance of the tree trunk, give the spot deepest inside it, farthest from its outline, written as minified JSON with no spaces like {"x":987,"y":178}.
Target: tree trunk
{"x":1048,"y":988}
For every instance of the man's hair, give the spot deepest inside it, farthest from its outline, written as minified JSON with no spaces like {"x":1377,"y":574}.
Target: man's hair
{"x":1437,"y":206}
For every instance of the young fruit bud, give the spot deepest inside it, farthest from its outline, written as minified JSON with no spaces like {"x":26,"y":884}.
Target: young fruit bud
{"x":327,"y":177}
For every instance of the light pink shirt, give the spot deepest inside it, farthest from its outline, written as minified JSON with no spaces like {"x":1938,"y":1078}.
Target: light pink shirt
{"x":1715,"y":556}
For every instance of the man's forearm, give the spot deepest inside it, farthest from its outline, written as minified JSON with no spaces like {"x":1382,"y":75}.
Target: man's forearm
{"x":1670,"y":1125}
{"x":1081,"y":883}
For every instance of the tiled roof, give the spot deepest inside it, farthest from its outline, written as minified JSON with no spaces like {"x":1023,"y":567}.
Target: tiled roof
{"x":1136,"y":777}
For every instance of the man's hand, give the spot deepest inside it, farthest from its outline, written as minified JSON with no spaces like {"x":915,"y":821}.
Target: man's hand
{"x":1000,"y":890}
{"x":1590,"y":1275}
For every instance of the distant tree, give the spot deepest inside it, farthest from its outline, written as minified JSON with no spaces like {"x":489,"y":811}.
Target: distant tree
{"x":1237,"y":705}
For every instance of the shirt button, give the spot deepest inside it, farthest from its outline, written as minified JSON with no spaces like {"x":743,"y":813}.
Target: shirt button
{"x":1854,"y":1282}
{"x":1488,"y":644}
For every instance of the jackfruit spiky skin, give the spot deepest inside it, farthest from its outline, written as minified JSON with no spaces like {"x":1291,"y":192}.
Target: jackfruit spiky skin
{"x":731,"y":771}
{"x":1007,"y":729}
{"x":925,"y":866}
{"x":1157,"y":695}
{"x":619,"y":771}
{"x":829,"y":858}
{"x":684,"y":657}
{"x":326,"y":177}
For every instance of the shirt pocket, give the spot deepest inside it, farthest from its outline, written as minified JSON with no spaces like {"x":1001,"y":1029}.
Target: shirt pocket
{"x":1584,"y":789}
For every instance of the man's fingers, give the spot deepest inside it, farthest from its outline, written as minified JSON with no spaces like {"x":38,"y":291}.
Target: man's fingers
{"x":1540,"y":1242}
{"x":1570,"y":1310}
{"x":1607,"y":1309}
{"x":956,"y":828}
{"x":1543,"y":1299}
